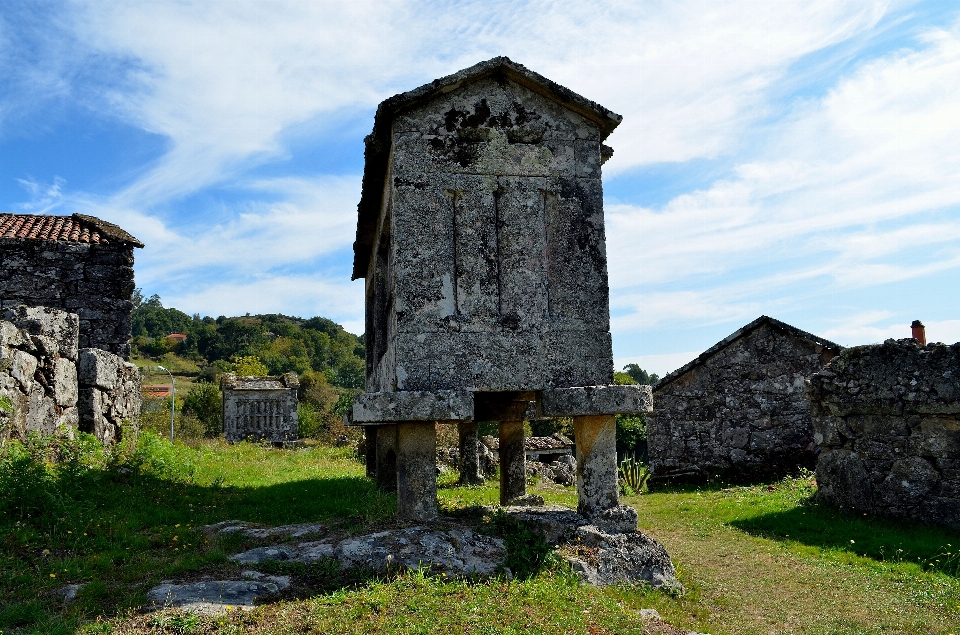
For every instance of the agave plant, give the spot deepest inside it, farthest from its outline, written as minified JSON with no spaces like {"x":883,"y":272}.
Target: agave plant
{"x":633,"y":476}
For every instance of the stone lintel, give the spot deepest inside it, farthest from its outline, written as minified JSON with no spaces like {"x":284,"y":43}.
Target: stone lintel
{"x":597,"y":400}
{"x":374,"y":408}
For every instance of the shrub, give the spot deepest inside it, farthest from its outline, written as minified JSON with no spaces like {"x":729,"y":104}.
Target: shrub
{"x":205,"y":402}
{"x":249,"y":366}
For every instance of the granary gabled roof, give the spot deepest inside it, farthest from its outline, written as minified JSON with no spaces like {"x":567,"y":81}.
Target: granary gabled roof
{"x":740,"y":333}
{"x":78,"y":228}
{"x":377,"y":144}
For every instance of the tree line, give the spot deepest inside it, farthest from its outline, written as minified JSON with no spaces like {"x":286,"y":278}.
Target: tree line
{"x":282,"y":343}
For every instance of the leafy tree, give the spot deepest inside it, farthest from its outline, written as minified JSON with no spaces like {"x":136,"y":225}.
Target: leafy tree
{"x":623,"y":379}
{"x":249,"y":366}
{"x":631,"y":430}
{"x":282,"y":343}
{"x":205,"y":401}
{"x":640,"y":376}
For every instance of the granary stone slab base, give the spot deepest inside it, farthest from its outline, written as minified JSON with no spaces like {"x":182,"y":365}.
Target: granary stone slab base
{"x":457,"y":553}
{"x":597,"y":400}
{"x":372,"y":408}
{"x":216,"y":597}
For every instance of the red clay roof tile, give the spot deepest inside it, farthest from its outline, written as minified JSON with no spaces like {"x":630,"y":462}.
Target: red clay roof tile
{"x":76,"y":228}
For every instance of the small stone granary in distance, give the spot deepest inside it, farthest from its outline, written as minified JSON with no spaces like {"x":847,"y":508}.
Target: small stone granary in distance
{"x":79,"y":264}
{"x":260,"y":408}
{"x":738,"y":412}
{"x":481,"y":239}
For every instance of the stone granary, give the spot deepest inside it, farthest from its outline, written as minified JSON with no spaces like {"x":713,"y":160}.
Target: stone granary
{"x":260,"y":408}
{"x":738,"y":411}
{"x":888,"y":419}
{"x":77,"y":263}
{"x":481,"y":239}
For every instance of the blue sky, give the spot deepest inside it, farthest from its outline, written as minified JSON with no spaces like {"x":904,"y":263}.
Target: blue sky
{"x":794,"y":159}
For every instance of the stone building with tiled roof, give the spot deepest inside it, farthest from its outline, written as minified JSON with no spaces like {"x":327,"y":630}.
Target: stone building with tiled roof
{"x":738,"y":411}
{"x":77,"y":263}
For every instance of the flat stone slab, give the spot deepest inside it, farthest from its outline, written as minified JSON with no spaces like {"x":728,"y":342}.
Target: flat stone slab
{"x":215,"y":597}
{"x":262,"y":533}
{"x":597,"y":400}
{"x":458,"y":553}
{"x":385,"y":407}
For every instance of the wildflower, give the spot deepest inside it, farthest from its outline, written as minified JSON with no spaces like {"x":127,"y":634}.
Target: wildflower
{"x":851,"y":542}
{"x":46,"y":552}
{"x":53,"y":575}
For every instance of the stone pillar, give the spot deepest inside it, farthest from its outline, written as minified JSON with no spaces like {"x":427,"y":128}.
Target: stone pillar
{"x":416,"y":470}
{"x":386,"y":460}
{"x":597,"y":486}
{"x":469,"y":455}
{"x":513,"y":474}
{"x":370,"y":447}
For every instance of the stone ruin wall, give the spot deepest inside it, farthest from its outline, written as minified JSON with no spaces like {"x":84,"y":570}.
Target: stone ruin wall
{"x":739,"y":416}
{"x":94,"y":281}
{"x":54,"y":385}
{"x":888,"y":419}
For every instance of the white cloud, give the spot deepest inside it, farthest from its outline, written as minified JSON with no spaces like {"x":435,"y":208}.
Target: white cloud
{"x":866,"y":330}
{"x":303,"y":296}
{"x":857,"y":189}
{"x":224,"y":80}
{"x":43,"y":197}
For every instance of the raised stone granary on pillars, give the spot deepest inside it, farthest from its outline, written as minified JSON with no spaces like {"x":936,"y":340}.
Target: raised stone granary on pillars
{"x":481,"y":239}
{"x":260,"y":408}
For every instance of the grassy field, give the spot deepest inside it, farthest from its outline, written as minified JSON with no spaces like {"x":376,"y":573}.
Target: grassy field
{"x":761,"y":559}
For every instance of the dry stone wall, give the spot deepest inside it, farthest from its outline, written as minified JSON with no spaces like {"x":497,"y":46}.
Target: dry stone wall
{"x":39,"y":375}
{"x":740,"y":414}
{"x":94,"y":281}
{"x":109,"y":393}
{"x":888,"y":419}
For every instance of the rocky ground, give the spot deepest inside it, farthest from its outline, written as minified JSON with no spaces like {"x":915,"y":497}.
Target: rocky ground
{"x":604,"y":550}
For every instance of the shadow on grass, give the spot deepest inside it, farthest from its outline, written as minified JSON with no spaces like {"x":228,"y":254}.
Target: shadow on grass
{"x":118,"y":533}
{"x":931,"y":547}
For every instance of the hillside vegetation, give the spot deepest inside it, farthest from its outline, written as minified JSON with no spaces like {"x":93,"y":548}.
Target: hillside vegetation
{"x":328,"y":361}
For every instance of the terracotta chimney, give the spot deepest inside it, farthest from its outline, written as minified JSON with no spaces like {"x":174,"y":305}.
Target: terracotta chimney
{"x":919,"y":333}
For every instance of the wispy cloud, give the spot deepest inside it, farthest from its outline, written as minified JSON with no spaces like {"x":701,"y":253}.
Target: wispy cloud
{"x":852,"y":185}
{"x":857,"y":189}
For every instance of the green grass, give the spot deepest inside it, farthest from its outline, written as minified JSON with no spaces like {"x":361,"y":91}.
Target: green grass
{"x":762,"y":559}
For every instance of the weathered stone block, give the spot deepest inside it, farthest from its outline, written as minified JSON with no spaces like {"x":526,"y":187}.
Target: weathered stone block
{"x":60,"y":326}
{"x":65,"y":382}
{"x":444,"y":405}
{"x":99,"y":368}
{"x":595,"y":400}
